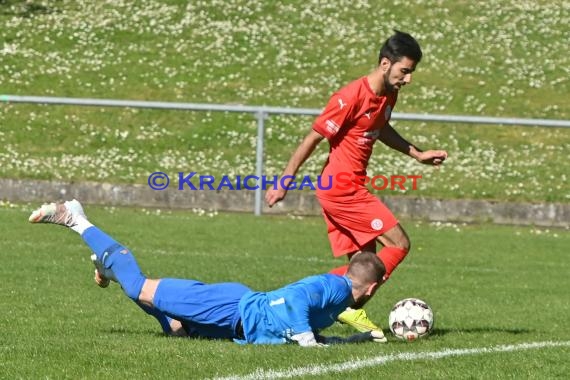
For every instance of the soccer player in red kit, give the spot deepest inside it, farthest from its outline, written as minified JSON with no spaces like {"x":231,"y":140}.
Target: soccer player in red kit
{"x":355,"y":117}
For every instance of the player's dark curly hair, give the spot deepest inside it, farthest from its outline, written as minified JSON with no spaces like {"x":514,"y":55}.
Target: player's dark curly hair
{"x":400,"y":45}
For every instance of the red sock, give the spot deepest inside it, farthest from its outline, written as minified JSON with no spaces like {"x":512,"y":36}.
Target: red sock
{"x":391,"y":257}
{"x":341,"y":271}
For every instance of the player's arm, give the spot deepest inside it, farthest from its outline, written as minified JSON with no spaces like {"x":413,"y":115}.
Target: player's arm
{"x":299,"y":320}
{"x":176,"y":329}
{"x":391,"y":138}
{"x":304,"y":150}
{"x":299,"y":300}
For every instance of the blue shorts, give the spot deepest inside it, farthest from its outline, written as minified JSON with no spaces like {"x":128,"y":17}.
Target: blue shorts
{"x":205,"y":310}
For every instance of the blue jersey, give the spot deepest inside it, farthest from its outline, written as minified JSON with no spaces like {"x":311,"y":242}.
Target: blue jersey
{"x":310,"y":304}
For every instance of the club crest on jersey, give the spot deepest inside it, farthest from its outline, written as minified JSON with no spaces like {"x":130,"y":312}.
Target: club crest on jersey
{"x":377,"y":224}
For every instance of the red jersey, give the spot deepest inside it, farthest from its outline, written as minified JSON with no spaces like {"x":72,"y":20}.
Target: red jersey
{"x":351,"y":122}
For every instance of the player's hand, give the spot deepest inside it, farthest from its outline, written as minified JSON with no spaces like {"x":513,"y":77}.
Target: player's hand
{"x":273,"y":196}
{"x":378,"y":336}
{"x":432,"y":157}
{"x":308,"y":339}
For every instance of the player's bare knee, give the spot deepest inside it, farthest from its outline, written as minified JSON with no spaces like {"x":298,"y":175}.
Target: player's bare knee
{"x":404,"y":243}
{"x":148,"y":291}
{"x":401,"y":238}
{"x":397,"y":238}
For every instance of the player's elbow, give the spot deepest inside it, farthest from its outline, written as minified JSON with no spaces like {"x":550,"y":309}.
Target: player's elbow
{"x":314,"y":138}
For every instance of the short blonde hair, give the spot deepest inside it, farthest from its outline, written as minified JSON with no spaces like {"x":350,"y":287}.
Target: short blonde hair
{"x":366,"y":267}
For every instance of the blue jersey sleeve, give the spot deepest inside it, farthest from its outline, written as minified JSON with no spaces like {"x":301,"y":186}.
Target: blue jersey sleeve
{"x":307,"y":305}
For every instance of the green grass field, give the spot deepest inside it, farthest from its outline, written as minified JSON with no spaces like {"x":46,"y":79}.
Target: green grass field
{"x":494,"y":58}
{"x":496,"y":291}
{"x":489,"y":286}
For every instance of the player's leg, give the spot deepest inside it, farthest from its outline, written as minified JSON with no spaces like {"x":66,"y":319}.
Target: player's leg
{"x":113,"y":257}
{"x":353,"y":226}
{"x":360,"y":223}
{"x":169,"y":326}
{"x":116,"y":259}
{"x":112,"y":260}
{"x":206,"y":310}
{"x":396,"y":245}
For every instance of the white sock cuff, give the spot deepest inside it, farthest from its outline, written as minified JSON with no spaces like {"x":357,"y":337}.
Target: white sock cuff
{"x":81,"y":224}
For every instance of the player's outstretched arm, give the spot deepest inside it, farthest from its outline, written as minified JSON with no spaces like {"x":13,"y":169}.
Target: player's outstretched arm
{"x":302,"y":153}
{"x":391,"y":138}
{"x":431,"y":157}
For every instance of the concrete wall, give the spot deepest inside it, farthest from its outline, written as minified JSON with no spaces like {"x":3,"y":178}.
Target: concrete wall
{"x":300,"y":203}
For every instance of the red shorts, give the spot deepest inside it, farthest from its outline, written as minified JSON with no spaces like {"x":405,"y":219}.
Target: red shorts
{"x":355,"y":220}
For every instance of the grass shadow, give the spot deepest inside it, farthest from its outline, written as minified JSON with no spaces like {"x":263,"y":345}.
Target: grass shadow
{"x":479,"y":330}
{"x":134,"y":332}
{"x":154,"y":333}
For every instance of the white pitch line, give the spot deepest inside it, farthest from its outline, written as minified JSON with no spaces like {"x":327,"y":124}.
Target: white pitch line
{"x":383,"y":359}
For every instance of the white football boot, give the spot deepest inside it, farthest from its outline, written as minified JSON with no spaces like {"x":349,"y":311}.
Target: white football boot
{"x":64,"y":214}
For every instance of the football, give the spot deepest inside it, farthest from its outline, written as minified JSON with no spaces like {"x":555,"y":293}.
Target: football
{"x":411,"y":319}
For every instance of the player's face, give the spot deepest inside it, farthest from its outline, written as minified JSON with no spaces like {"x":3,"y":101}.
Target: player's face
{"x":398,"y":74}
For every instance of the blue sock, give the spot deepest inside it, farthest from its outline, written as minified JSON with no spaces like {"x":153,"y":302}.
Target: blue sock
{"x":116,"y":257}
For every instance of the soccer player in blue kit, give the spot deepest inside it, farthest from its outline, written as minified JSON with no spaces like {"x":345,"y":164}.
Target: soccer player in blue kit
{"x":293,"y":314}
